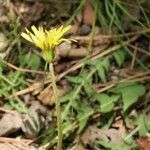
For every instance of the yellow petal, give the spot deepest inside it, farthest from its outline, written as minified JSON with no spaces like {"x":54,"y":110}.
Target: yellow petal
{"x":26,"y":36}
{"x":65,"y":29}
{"x":34,"y":29}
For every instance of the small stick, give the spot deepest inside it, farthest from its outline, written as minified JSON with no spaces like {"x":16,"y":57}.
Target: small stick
{"x":6,"y":110}
{"x":21,"y":69}
{"x":121,"y":81}
{"x":14,"y":140}
{"x":140,"y":49}
{"x":133,"y":59}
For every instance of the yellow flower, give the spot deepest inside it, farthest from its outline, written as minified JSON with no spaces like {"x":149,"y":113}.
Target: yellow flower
{"x":46,"y":40}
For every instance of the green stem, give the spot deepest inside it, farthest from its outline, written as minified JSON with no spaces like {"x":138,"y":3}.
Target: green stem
{"x":58,"y":109}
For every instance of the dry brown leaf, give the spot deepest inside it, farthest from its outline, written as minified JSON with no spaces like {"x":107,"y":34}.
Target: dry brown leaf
{"x":144,"y":143}
{"x":47,"y":97}
{"x":5,"y":146}
{"x":108,"y":135}
{"x":10,"y":123}
{"x":88,"y":13}
{"x":3,"y":11}
{"x":120,"y":125}
{"x":29,"y":12}
{"x":3,"y":42}
{"x":34,"y":121}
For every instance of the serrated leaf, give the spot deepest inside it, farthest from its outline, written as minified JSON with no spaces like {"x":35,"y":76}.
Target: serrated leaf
{"x":77,"y":79}
{"x":88,"y":89}
{"x":106,"y":102}
{"x":83,"y":116}
{"x":82,"y":77}
{"x":130,"y":93}
{"x":102,"y":66}
{"x":68,"y":96}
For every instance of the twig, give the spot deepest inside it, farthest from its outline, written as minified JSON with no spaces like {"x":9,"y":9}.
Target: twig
{"x":29,"y":89}
{"x":87,"y":38}
{"x":122,"y":81}
{"x":14,"y":140}
{"x":12,"y":146}
{"x":133,"y":59}
{"x":6,"y":110}
{"x":139,"y":49}
{"x":21,"y":69}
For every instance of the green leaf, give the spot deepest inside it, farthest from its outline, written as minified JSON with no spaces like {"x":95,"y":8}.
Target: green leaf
{"x":68,"y":96}
{"x":34,"y":62}
{"x":106,"y":102}
{"x":112,"y":146}
{"x":102,"y":66}
{"x":83,"y":116}
{"x":16,"y":104}
{"x":119,"y":57}
{"x":102,"y":75}
{"x":76,"y":79}
{"x":130,"y":93}
{"x":31,"y":60}
{"x":142,"y":121}
{"x":106,"y":63}
{"x":82,"y":77}
{"x":89,"y":89}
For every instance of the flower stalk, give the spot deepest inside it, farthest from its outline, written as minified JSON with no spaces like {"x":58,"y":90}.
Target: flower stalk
{"x":47,"y":40}
{"x":57,"y":105}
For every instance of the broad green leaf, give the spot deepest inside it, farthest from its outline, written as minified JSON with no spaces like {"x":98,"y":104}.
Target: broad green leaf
{"x":31,"y":60}
{"x":106,"y":63}
{"x":106,"y":102}
{"x":83,"y":116}
{"x":34,"y":62}
{"x":102,"y":75}
{"x":130,"y":93}
{"x":142,"y":121}
{"x":24,"y":59}
{"x":119,"y":57}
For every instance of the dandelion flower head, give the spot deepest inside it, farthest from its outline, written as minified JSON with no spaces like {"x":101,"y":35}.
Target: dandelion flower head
{"x":46,"y":40}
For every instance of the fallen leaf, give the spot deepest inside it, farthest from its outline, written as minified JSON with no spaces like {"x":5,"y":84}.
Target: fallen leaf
{"x":5,"y":146}
{"x":33,"y":121}
{"x":47,"y":97}
{"x":10,"y":123}
{"x":88,"y":13}
{"x":144,"y":143}
{"x":3,"y":42}
{"x":108,"y":135}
